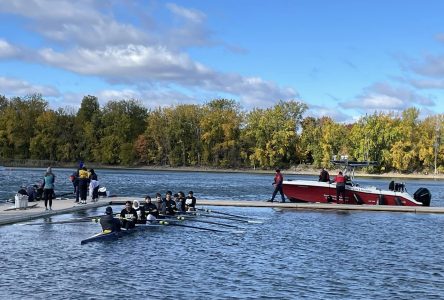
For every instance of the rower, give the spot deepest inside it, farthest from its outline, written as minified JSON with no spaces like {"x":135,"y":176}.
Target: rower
{"x":151,"y":209}
{"x":108,"y":222}
{"x":128,"y":216}
{"x":168,"y":205}
{"x":180,"y":203}
{"x":140,"y":210}
{"x":190,"y":203}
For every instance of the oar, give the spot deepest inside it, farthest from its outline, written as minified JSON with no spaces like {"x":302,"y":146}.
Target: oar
{"x":223,"y":213}
{"x":196,"y":227}
{"x":202,"y":221}
{"x":231,"y":218}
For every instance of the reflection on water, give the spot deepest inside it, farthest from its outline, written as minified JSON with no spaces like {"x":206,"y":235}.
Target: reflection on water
{"x":291,"y":255}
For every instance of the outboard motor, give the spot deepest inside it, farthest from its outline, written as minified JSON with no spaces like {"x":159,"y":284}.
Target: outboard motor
{"x":423,"y":195}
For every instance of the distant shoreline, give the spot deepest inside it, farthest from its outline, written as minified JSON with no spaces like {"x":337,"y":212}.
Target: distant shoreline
{"x":291,"y":171}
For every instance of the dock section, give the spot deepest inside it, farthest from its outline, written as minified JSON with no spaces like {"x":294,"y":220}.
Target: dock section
{"x":35,"y":210}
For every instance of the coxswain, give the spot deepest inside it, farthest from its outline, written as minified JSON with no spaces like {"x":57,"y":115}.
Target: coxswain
{"x":128,"y":216}
{"x":168,"y":205}
{"x":140,"y":210}
{"x":190,"y":202}
{"x":150,"y":209}
{"x":108,"y":222}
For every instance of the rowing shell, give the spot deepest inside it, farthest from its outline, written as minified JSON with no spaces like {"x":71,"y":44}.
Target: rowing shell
{"x":114,"y":235}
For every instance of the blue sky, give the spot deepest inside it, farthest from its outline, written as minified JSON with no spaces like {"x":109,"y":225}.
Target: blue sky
{"x":342,"y":58}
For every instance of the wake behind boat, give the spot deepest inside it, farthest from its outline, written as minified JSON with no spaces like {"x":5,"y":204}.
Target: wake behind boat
{"x":325,"y":192}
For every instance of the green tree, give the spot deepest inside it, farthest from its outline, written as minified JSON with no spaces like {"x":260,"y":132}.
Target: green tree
{"x":220,"y":132}
{"x":274,"y":132}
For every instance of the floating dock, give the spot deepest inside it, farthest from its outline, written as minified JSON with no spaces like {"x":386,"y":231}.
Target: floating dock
{"x":35,"y":210}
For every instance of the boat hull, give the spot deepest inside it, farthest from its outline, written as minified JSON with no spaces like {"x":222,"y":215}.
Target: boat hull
{"x":110,"y":236}
{"x":324,"y":192}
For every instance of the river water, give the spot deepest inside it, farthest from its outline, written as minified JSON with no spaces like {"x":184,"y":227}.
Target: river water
{"x":290,"y":255}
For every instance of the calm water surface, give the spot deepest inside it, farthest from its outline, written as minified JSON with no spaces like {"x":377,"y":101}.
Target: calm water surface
{"x":291,"y":255}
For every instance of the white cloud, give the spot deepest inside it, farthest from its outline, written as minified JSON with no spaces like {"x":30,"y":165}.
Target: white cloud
{"x":426,"y":83}
{"x":14,"y":87}
{"x":336,"y":113}
{"x":382,"y":96}
{"x":131,"y":63}
{"x":74,"y":22}
{"x":7,"y":50}
{"x":191,"y":15}
{"x":85,"y":37}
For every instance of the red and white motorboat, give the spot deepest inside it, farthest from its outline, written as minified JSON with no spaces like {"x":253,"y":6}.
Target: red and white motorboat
{"x":325,"y":192}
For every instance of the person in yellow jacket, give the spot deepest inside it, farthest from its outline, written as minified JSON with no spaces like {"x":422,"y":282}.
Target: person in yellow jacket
{"x":83,"y":184}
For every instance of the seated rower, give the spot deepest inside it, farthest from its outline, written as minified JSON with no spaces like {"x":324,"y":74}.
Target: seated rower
{"x":159,"y":201}
{"x":168,"y":205}
{"x":108,"y":222}
{"x":128,"y":216}
{"x":190,"y":202}
{"x":22,"y":191}
{"x":150,"y":209}
{"x":140,"y":210}
{"x":180,"y":202}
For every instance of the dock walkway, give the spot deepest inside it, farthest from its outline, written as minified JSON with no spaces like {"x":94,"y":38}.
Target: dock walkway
{"x":8,"y":215}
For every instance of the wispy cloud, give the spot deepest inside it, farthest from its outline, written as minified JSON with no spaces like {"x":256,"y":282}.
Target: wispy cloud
{"x":7,"y":50}
{"x":15,"y":87}
{"x":385,"y":97}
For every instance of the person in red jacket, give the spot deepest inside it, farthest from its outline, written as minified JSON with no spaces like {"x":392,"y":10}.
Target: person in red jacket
{"x":278,"y":179}
{"x":340,"y":186}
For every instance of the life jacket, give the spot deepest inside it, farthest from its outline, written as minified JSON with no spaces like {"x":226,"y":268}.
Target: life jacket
{"x":83,"y":174}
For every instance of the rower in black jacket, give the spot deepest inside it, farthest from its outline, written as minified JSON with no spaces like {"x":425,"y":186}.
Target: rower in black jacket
{"x":168,"y":205}
{"x":128,"y":216}
{"x":150,"y":209}
{"x":108,"y":222}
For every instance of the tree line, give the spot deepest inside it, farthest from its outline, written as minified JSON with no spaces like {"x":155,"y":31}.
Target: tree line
{"x":215,"y":134}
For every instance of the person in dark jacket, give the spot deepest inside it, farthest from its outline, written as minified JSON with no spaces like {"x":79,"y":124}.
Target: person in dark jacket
{"x":140,"y":210}
{"x":190,"y":202}
{"x":278,"y":179}
{"x":108,"y":222}
{"x":324,"y":176}
{"x":150,"y":209}
{"x":128,"y":216}
{"x":180,"y":203}
{"x":168,"y":205}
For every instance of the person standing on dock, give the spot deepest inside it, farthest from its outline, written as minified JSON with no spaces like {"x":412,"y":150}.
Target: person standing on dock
{"x":48,"y":187}
{"x":83,"y":184}
{"x":278,"y":179}
{"x":340,"y":186}
{"x":93,"y":186}
{"x":108,"y":222}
